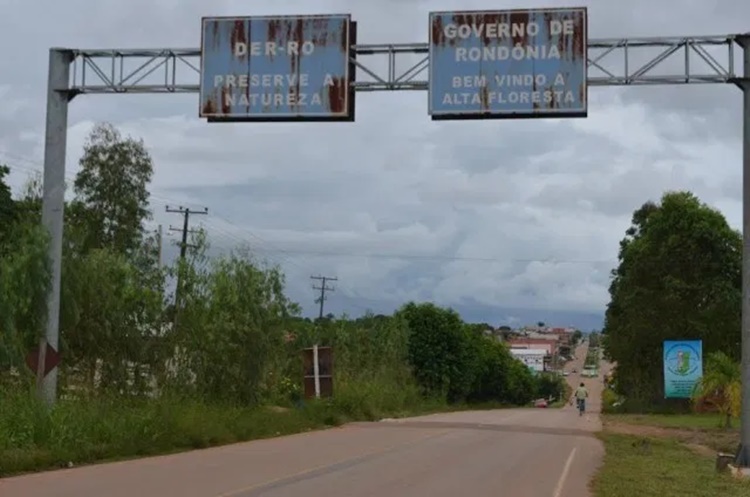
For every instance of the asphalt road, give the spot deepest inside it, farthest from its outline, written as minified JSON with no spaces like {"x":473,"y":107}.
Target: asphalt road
{"x":518,"y":452}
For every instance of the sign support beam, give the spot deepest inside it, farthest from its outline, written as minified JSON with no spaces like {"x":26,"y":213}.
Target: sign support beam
{"x":743,"y":454}
{"x":53,"y":205}
{"x":611,"y":62}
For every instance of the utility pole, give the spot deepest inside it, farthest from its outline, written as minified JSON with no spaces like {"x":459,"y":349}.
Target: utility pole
{"x":183,"y":243}
{"x":186,"y":212}
{"x":159,"y":244}
{"x":186,"y":222}
{"x":323,"y":289}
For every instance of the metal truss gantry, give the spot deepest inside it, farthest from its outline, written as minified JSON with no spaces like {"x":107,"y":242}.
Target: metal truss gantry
{"x":611,"y":62}
{"x":383,"y":67}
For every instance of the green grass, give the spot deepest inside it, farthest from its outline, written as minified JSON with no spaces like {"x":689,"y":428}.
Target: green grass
{"x":33,"y":438}
{"x":84,"y":432}
{"x":609,"y":397}
{"x":662,"y":468}
{"x":675,"y":421}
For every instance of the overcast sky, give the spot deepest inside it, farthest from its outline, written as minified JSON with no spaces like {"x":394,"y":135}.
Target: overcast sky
{"x":507,"y":221}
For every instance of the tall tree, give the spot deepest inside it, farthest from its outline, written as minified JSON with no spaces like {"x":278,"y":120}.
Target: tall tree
{"x":24,"y":278}
{"x":29,"y":203}
{"x":679,"y":277}
{"x":7,"y":207}
{"x":441,"y":351}
{"x":112,"y":198}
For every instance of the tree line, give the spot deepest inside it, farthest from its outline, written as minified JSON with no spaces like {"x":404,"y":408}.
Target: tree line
{"x":234,"y":336}
{"x":679,"y":277}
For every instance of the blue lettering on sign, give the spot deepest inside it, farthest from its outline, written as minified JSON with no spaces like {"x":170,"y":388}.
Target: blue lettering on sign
{"x":284,"y":66}
{"x":508,"y":63}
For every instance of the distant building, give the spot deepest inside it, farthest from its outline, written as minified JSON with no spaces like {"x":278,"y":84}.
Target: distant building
{"x":542,"y":336}
{"x":532,"y":358}
{"x":547,"y":344}
{"x":563,"y":334}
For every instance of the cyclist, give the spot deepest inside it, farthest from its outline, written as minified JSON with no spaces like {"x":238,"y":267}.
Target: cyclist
{"x":581,"y":394}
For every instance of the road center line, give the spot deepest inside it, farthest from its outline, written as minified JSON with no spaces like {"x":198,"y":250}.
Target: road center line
{"x":564,"y":475}
{"x":332,"y":465}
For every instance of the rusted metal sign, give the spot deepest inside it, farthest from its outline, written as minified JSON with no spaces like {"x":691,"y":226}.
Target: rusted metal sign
{"x":280,"y":68}
{"x":508,"y":64}
{"x":318,"y":372}
{"x":51,"y":359}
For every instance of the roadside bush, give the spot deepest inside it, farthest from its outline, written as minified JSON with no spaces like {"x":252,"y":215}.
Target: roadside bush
{"x":440,"y":351}
{"x":609,"y":398}
{"x":522,"y":386}
{"x":456,"y":362}
{"x":721,"y":387}
{"x":493,"y":378}
{"x":24,"y":273}
{"x":551,"y":386}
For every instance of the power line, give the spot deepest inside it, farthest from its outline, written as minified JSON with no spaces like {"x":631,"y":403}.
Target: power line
{"x":292,"y":253}
{"x":445,"y":258}
{"x":279,"y":255}
{"x":304,"y":254}
{"x":239,"y":234}
{"x":323,"y":289}
{"x":160,"y":244}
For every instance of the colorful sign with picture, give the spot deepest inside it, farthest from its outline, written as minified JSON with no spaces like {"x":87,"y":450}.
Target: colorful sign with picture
{"x":683,"y":367}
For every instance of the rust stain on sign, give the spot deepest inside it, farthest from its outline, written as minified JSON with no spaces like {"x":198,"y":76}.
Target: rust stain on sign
{"x":226,"y":95}
{"x":521,"y":19}
{"x":484,"y":97}
{"x":238,"y":36}
{"x":215,"y":34}
{"x":298,"y":37}
{"x":274,"y":26}
{"x":490,"y":18}
{"x":249,"y":67}
{"x":438,"y":37}
{"x":337,"y":95}
{"x":579,"y":43}
{"x":208,"y":106}
{"x":560,"y":40}
{"x":343,"y":40}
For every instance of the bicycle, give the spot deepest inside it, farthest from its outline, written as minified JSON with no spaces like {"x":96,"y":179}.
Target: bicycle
{"x":581,"y":406}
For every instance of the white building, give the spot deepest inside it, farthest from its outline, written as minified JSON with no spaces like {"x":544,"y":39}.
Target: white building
{"x":533,"y":358}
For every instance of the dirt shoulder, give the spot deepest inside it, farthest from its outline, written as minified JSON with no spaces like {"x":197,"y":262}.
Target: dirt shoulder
{"x":702,"y":440}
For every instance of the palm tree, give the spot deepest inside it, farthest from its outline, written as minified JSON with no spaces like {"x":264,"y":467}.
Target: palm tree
{"x":721,"y":385}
